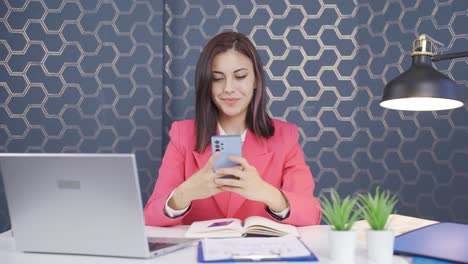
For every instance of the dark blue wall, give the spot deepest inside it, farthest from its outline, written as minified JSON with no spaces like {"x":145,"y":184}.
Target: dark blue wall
{"x":82,"y":76}
{"x":88,"y":77}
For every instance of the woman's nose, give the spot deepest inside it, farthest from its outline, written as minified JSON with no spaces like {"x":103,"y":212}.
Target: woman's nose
{"x":229,"y":86}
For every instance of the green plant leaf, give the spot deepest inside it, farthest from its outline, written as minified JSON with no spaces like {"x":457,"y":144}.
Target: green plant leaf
{"x":339,"y":213}
{"x":377,"y":208}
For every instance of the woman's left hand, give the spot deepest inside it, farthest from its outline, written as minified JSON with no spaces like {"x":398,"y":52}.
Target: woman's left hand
{"x":250,"y":185}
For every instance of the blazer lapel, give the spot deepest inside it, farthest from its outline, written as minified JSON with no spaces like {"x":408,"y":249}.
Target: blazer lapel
{"x":202,"y":158}
{"x":256,"y":152}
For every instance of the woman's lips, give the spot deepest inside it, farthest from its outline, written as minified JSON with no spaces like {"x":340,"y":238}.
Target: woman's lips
{"x":231,"y":101}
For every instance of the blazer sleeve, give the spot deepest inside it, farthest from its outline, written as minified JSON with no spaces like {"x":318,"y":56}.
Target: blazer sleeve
{"x":171,"y":175}
{"x":298,"y":186}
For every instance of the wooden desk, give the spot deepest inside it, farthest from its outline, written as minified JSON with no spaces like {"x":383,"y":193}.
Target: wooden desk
{"x":316,"y":237}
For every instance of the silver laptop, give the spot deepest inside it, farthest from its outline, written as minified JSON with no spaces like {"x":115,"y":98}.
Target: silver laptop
{"x":79,"y":204}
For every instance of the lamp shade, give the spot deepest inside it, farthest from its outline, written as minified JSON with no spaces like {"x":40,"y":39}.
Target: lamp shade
{"x":421,"y":88}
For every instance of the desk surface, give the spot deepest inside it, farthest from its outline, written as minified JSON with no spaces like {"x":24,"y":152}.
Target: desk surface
{"x":316,"y":237}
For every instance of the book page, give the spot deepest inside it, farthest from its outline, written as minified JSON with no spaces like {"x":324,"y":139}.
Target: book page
{"x":264,"y":226}
{"x":223,"y":227}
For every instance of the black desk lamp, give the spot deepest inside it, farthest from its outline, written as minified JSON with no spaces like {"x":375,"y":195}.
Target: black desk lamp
{"x":421,"y":87}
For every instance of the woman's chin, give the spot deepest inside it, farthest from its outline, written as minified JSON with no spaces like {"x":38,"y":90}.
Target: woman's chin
{"x":231,"y":114}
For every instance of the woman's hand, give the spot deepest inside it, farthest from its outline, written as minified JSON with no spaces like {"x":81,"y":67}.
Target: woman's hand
{"x":250,"y":185}
{"x":201,"y":185}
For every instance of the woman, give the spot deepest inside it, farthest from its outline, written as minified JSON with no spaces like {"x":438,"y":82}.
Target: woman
{"x":273,"y":179}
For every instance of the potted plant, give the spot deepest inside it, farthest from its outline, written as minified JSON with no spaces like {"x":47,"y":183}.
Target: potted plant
{"x":340,"y":215}
{"x":375,"y":210}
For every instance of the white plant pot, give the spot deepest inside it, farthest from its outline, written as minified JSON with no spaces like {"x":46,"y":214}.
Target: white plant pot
{"x":342,"y":245}
{"x":380,"y":246}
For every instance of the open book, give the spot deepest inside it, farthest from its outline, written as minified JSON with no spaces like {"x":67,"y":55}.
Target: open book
{"x":232,"y":227}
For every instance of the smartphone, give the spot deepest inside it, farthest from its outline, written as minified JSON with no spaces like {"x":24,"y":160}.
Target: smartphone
{"x":228,"y":145}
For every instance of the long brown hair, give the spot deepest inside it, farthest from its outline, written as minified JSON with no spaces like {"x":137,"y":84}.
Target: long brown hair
{"x":206,"y":112}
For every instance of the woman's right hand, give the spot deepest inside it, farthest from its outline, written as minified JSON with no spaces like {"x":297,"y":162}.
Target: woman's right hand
{"x":201,"y":185}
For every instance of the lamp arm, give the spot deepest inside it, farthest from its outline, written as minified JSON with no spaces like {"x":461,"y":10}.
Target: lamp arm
{"x":449,"y":56}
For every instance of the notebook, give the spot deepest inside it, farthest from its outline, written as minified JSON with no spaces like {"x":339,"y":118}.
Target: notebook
{"x":444,"y":241}
{"x":232,"y":227}
{"x":286,"y":248}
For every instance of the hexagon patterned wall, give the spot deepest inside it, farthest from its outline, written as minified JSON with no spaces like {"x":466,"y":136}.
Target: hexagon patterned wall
{"x":327,"y":63}
{"x":82,"y":76}
{"x":87,"y":76}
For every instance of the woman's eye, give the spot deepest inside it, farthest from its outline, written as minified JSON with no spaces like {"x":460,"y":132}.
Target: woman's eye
{"x":216,"y":79}
{"x":241,"y":77}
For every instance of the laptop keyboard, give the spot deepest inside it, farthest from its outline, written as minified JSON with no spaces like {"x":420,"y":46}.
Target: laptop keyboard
{"x":158,"y":245}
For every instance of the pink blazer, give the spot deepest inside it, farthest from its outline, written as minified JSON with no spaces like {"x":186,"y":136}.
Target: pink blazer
{"x":279,"y":160}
